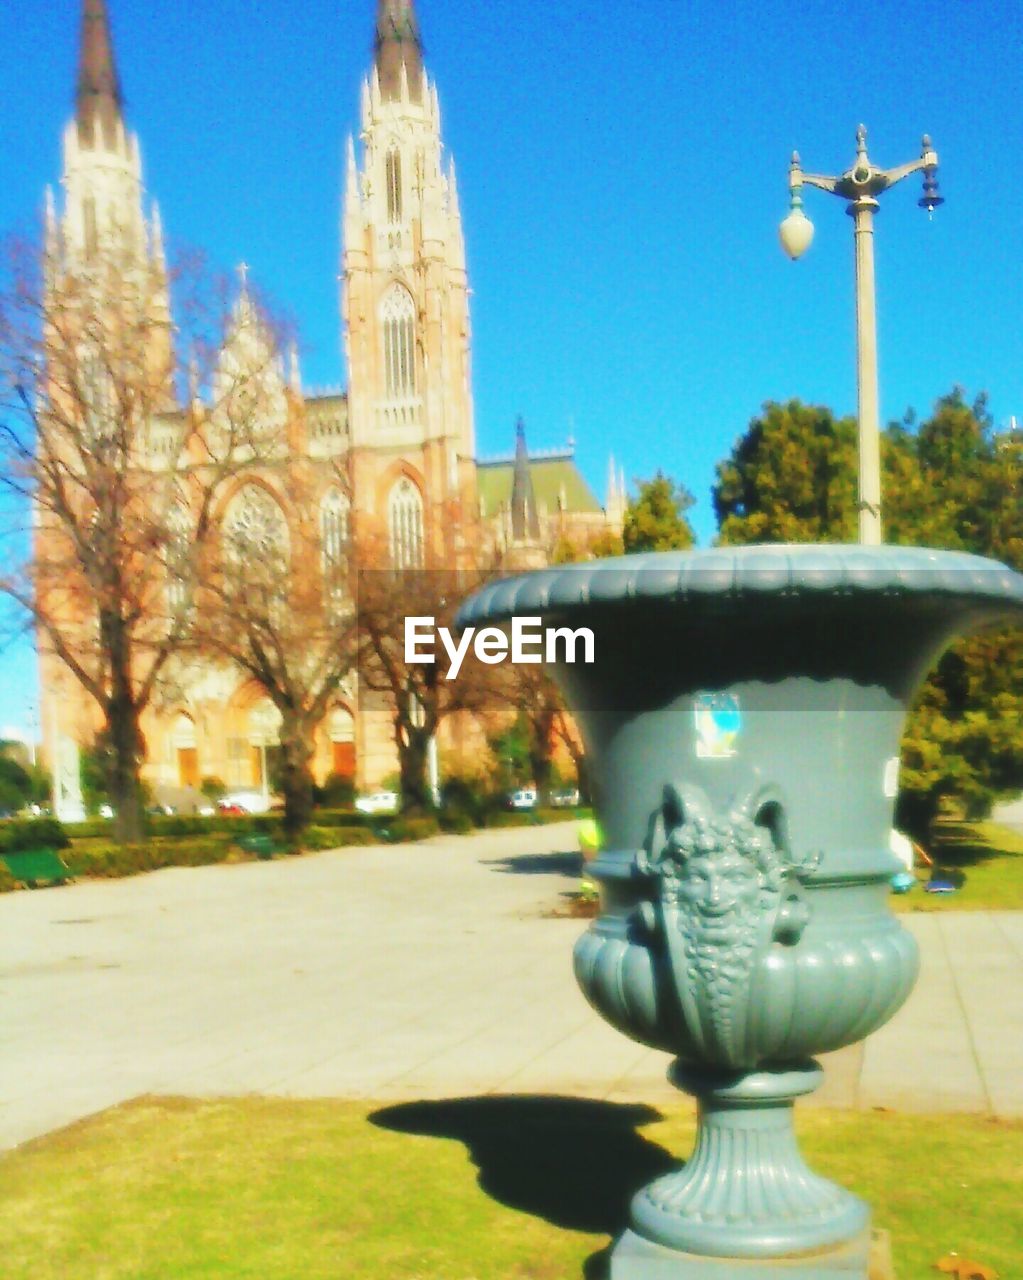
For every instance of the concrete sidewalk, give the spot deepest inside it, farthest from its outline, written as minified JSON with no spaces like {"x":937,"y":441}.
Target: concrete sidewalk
{"x":404,"y":972}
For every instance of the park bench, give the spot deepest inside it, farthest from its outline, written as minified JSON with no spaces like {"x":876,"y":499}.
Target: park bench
{"x":263,"y":846}
{"x":36,"y":866}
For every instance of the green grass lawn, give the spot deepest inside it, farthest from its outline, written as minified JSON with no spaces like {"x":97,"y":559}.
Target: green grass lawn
{"x":990,"y":859}
{"x":471,"y":1189}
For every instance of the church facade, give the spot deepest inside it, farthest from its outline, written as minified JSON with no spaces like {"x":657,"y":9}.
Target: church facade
{"x":403,"y":434}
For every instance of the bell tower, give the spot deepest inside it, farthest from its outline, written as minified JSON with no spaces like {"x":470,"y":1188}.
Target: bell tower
{"x":405,"y":308}
{"x":102,"y":230}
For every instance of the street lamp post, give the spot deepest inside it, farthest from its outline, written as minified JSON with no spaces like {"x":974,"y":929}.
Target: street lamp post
{"x":860,"y":186}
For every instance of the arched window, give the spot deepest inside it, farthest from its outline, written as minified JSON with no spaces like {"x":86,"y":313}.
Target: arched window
{"x":91,"y":239}
{"x":398,"y":314}
{"x":178,"y":558}
{"x":334,"y":528}
{"x":405,"y":519}
{"x":392,"y":166}
{"x":98,"y":400}
{"x":255,"y":529}
{"x":334,"y":544}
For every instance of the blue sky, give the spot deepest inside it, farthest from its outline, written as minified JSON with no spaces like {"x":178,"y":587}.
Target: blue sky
{"x":622,"y":169}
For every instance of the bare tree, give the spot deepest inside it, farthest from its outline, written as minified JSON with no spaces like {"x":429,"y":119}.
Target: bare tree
{"x":112,"y":465}
{"x":420,"y":697}
{"x":277,"y":602}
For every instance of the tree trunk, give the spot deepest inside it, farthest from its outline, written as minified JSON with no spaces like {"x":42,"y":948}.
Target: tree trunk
{"x":125,"y":751}
{"x":413,"y":747}
{"x":296,"y":776}
{"x":124,"y":736}
{"x":541,"y":750}
{"x":578,"y":754}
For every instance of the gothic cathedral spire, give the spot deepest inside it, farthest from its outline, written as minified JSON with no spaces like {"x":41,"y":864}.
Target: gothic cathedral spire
{"x":98,"y":100}
{"x":405,"y":296}
{"x":105,"y":216}
{"x":524,"y":514}
{"x":397,"y":45}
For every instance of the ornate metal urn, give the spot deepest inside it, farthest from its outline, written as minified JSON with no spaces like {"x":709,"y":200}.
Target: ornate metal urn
{"x":743,"y":714}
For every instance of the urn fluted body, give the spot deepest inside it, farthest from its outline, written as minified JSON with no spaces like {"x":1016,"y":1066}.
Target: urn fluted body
{"x":742,"y":718}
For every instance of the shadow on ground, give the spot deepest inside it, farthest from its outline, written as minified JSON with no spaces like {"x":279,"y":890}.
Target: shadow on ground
{"x":957,"y":846}
{"x":573,"y":1162}
{"x":532,"y":864}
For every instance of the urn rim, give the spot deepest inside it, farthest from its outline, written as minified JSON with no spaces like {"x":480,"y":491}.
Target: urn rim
{"x":761,"y":571}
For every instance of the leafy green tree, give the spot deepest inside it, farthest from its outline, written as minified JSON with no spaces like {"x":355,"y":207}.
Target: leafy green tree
{"x":949,"y":482}
{"x":15,"y":785}
{"x":655,"y":520}
{"x":510,"y":748}
{"x":790,"y":478}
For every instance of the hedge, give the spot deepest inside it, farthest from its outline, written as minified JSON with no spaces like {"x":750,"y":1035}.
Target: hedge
{"x":105,"y":860}
{"x":318,"y":837}
{"x":33,"y":833}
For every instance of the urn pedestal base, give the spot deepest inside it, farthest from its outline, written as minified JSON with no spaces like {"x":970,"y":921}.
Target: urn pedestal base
{"x":868,"y":1257}
{"x":746,"y":1192}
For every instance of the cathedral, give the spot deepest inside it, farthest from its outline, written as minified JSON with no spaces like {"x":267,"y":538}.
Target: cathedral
{"x":403,"y":430}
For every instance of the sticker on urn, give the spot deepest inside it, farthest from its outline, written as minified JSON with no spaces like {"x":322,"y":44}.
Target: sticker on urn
{"x":718,"y":721}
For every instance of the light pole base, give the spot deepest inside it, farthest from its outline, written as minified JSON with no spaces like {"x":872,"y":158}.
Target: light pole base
{"x":866,"y":1257}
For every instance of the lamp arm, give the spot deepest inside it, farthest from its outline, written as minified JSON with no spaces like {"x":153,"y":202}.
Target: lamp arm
{"x":892,"y":176}
{"x":820,"y":181}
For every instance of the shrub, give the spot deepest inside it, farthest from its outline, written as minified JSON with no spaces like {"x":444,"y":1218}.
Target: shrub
{"x":179,"y":824}
{"x":7,"y":882}
{"x":33,"y":833}
{"x":338,"y":792}
{"x":343,"y":818}
{"x":513,"y":818}
{"x":466,"y":796}
{"x":456,"y":822}
{"x":213,"y":788}
{"x":402,"y":830}
{"x":336,"y":837}
{"x":101,"y":858}
{"x":89,"y":828}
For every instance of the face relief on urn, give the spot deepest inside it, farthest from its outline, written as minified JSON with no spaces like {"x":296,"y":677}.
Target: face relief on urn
{"x":741,"y":720}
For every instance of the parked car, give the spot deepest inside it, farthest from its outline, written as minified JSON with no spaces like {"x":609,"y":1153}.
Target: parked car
{"x":378,"y":802}
{"x":244,"y":802}
{"x":566,"y":798}
{"x":524,"y":798}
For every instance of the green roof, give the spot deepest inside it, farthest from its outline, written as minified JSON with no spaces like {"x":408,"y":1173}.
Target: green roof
{"x":550,"y":477}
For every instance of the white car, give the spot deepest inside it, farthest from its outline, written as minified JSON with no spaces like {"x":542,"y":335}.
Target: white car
{"x":524,"y":798}
{"x":378,"y":802}
{"x":566,"y":798}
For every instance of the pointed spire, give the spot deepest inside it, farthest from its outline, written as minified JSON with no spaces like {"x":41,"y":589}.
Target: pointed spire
{"x":351,"y":172}
{"x":194,"y":379}
{"x":51,"y":241}
{"x":524,"y":516}
{"x":398,"y":49}
{"x":245,"y":316}
{"x":294,"y":371}
{"x":50,"y":223}
{"x":159,"y":253}
{"x":98,"y":100}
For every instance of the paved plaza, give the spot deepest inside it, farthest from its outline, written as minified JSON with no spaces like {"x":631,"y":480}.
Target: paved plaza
{"x":430,"y":970}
